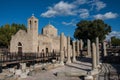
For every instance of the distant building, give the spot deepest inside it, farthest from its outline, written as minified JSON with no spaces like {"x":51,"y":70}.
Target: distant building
{"x":32,"y":42}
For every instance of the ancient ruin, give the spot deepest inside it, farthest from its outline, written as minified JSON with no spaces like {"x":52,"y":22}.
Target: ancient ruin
{"x":38,"y":53}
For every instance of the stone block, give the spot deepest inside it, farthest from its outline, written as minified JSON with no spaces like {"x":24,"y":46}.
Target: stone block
{"x":60,"y":74}
{"x":23,"y":75}
{"x":48,"y":67}
{"x":18,"y":72}
{"x":94,"y":72}
{"x":88,"y":77}
{"x":27,"y":71}
{"x":75,"y":74}
{"x":37,"y":66}
{"x":53,"y":61}
{"x":23,"y":66}
{"x":12,"y":70}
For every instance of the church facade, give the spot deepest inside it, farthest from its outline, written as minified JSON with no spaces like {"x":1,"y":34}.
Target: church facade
{"x":31,"y":42}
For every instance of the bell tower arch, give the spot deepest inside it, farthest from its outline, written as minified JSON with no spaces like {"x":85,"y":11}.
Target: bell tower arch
{"x":33,"y":24}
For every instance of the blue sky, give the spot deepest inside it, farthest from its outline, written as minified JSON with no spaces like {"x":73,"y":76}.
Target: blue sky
{"x":63,"y":14}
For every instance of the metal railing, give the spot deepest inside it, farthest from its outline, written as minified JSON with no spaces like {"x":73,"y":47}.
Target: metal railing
{"x":24,"y":57}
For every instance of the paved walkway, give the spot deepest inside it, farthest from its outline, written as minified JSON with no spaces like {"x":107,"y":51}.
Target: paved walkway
{"x":77,"y":67}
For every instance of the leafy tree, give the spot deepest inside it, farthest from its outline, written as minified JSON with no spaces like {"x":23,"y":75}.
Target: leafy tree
{"x":7,"y":31}
{"x":115,"y":41}
{"x":91,"y":29}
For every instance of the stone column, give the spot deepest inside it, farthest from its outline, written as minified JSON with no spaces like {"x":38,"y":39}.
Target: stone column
{"x":0,"y":67}
{"x":61,"y":49}
{"x":81,"y":47}
{"x":88,"y":48}
{"x":78,"y":48}
{"x":97,"y":50}
{"x":81,"y":44}
{"x":74,"y":54}
{"x":68,"y":50}
{"x":104,"y":49}
{"x":93,"y":56}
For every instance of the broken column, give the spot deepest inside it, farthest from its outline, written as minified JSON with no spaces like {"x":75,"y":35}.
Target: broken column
{"x":61,"y":49}
{"x":88,"y":48}
{"x":68,"y":51}
{"x":23,"y":66}
{"x":78,"y":52}
{"x":93,"y":56}
{"x":74,"y":53}
{"x":97,"y":50}
{"x":104,"y":48}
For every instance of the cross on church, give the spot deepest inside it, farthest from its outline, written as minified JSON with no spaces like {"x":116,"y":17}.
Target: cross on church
{"x":33,"y":14}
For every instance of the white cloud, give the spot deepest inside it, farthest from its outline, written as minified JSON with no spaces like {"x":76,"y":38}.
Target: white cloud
{"x":80,"y":2}
{"x":98,"y":5}
{"x":84,"y":13}
{"x":61,"y":8}
{"x":71,"y":23}
{"x":67,"y":9}
{"x":113,"y":33}
{"x":108,"y":15}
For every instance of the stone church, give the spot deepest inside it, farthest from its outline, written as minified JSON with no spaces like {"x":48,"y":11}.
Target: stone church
{"x":31,"y":42}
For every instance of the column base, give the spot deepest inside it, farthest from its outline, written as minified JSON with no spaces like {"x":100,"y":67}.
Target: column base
{"x":94,"y":72}
{"x":74,"y":60}
{"x":68,"y":62}
{"x":62,"y":63}
{"x":88,"y":77}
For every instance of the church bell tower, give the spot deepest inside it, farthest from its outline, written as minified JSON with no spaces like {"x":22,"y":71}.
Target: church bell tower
{"x":33,"y":32}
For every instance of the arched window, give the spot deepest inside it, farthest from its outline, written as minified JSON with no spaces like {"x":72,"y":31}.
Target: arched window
{"x":30,"y":23}
{"x":19,"y":44}
{"x":35,"y":21}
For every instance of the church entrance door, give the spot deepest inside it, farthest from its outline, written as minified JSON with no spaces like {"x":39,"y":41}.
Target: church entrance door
{"x":19,"y":49}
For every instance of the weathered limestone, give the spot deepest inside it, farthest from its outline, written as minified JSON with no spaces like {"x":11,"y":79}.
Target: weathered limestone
{"x":88,"y":48}
{"x":74,"y":54}
{"x":104,"y":48}
{"x":94,"y":65}
{"x":73,"y":74}
{"x":0,"y":68}
{"x":31,"y":42}
{"x":61,"y":49}
{"x":68,"y":51}
{"x":81,"y":44}
{"x":18,"y":72}
{"x":23,"y":66}
{"x":12,"y":70}
{"x":37,"y":66}
{"x":88,"y":77}
{"x":23,"y":75}
{"x":81,"y":47}
{"x":97,"y":50}
{"x":78,"y":48}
